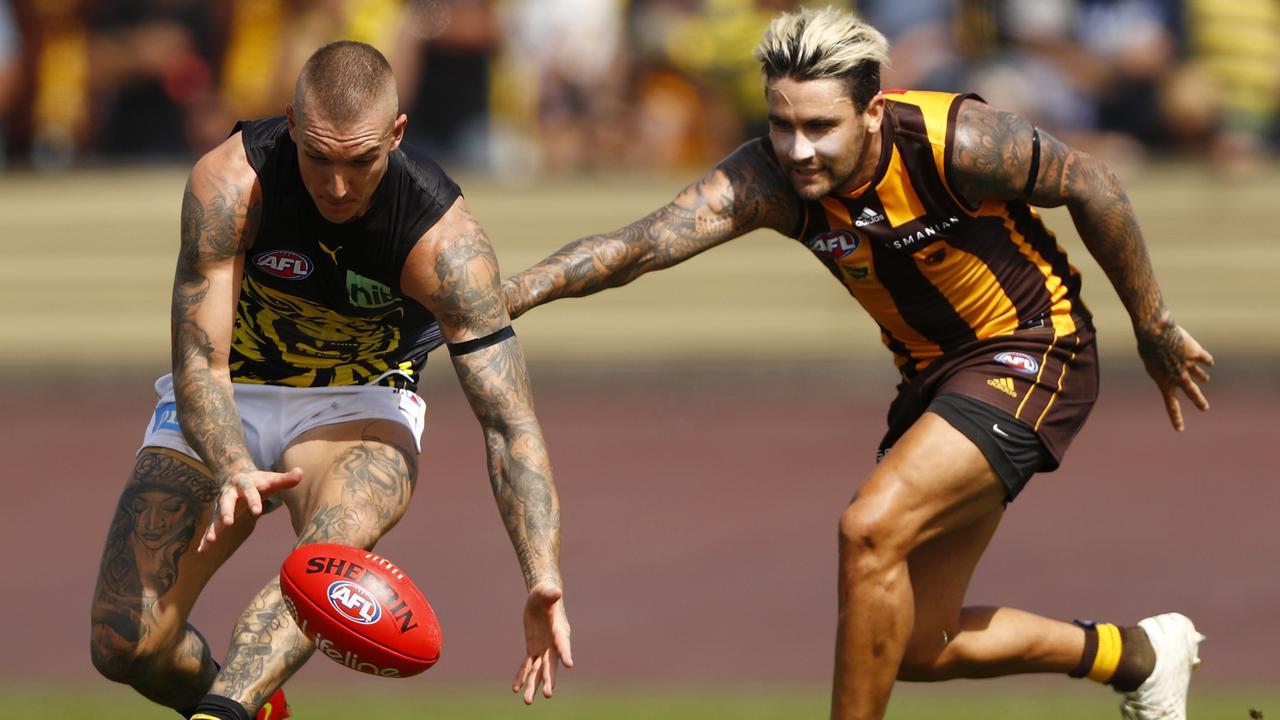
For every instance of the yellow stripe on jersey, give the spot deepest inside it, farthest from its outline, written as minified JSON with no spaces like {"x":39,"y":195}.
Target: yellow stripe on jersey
{"x":837,"y":213}
{"x":873,"y":296}
{"x":969,"y":285}
{"x":901,"y":203}
{"x":936,"y":107}
{"x":1060,"y":303}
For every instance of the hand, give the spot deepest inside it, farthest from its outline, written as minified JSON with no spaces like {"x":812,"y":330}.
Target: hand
{"x":1175,"y":360}
{"x":546,"y":637}
{"x":252,"y":487}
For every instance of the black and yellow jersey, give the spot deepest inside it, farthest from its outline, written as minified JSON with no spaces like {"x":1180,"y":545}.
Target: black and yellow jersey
{"x":321,"y":303}
{"x":933,"y":271}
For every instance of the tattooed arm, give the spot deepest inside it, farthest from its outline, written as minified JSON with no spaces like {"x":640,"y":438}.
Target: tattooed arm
{"x":744,"y":192}
{"x":453,"y":272}
{"x":220,"y":211}
{"x":992,"y":159}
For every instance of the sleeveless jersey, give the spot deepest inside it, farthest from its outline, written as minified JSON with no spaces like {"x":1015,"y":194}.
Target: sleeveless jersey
{"x":321,"y":303}
{"x":934,"y":272}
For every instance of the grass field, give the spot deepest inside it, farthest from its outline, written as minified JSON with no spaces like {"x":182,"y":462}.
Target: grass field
{"x":968,"y":701}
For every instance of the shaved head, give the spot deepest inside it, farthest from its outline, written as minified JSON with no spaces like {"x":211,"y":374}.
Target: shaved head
{"x":343,"y":82}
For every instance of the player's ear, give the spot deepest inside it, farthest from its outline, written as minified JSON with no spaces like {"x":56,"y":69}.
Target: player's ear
{"x":397,"y":130}
{"x":293,"y":124}
{"x":874,"y":114}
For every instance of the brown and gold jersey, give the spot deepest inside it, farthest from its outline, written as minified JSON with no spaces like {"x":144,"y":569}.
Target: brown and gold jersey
{"x":934,"y":272}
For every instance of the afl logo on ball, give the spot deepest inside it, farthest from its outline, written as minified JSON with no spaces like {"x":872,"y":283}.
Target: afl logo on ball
{"x":1021,"y":362}
{"x":354,"y":602}
{"x":284,"y":264}
{"x":834,"y":244}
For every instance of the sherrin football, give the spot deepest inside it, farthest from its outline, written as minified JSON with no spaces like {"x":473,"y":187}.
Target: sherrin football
{"x":360,"y":610}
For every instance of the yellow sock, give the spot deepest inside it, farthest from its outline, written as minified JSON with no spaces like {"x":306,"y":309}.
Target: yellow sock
{"x":1103,"y":645}
{"x":1108,"y":657}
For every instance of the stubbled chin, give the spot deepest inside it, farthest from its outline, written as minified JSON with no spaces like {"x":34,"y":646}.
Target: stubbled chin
{"x":810,"y":190}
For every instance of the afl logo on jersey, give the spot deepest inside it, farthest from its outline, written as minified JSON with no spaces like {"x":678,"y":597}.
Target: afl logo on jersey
{"x":834,"y":244}
{"x":284,"y":264}
{"x":1021,"y":362}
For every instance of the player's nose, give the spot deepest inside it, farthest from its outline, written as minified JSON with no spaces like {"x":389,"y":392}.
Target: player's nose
{"x":801,"y":148}
{"x":338,"y":186}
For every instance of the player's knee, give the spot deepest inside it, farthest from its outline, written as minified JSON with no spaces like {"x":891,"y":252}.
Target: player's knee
{"x":115,"y":655}
{"x":122,"y":646}
{"x":345,"y":524}
{"x":868,"y":536}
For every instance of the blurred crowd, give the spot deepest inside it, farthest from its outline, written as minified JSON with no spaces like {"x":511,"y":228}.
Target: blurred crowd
{"x":568,"y":86}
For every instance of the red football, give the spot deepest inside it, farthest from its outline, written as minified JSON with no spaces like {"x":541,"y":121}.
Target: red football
{"x":360,"y":610}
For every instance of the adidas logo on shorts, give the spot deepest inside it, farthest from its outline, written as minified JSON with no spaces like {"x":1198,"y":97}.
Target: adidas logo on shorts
{"x":1004,"y":385}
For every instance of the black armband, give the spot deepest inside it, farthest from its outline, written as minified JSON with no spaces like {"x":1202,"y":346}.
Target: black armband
{"x":1034,"y":172}
{"x":480,"y":343}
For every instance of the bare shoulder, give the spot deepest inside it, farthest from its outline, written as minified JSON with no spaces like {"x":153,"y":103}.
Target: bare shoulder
{"x":222,"y":203}
{"x":991,"y":153}
{"x":227,"y":164}
{"x":453,"y":272}
{"x":1002,"y":155}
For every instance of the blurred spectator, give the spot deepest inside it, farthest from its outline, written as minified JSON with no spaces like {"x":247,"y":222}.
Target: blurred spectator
{"x":526,"y":86}
{"x":9,"y":58}
{"x":1087,"y":70}
{"x":444,"y":60}
{"x":57,"y":87}
{"x":697,"y":90}
{"x":248,"y":70}
{"x":150,"y":61}
{"x":267,"y":41}
{"x":1235,"y":54}
{"x":559,"y":84}
{"x":933,"y":44}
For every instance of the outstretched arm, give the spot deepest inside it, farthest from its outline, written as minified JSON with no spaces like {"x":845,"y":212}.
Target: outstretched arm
{"x":993,"y":160}
{"x":744,"y":192}
{"x":220,"y":211}
{"x":453,"y":273}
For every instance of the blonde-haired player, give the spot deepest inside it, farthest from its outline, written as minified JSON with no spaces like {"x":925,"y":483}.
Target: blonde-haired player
{"x":919,"y":203}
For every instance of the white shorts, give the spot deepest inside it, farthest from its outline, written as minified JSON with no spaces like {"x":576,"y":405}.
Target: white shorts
{"x":274,"y":415}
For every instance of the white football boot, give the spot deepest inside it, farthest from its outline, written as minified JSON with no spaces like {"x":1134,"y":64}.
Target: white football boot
{"x":1163,"y":695}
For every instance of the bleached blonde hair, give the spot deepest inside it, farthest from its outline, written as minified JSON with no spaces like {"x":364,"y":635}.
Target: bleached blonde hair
{"x":810,"y":44}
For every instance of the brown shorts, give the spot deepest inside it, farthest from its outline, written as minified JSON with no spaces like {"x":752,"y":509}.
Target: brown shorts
{"x":1045,"y":382}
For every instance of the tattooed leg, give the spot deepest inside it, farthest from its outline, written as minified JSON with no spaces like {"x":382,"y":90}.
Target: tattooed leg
{"x":150,"y":577}
{"x":358,"y":478}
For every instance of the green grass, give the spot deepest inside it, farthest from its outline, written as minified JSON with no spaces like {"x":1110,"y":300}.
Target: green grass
{"x":955,"y":701}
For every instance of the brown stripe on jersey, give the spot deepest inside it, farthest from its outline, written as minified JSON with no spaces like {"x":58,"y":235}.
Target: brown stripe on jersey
{"x":1044,"y":243}
{"x":1018,"y":277}
{"x":978,"y":295}
{"x":876,"y":297}
{"x":922,"y":168}
{"x":920,"y":304}
{"x":908,"y":365}
{"x":1027,"y":225}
